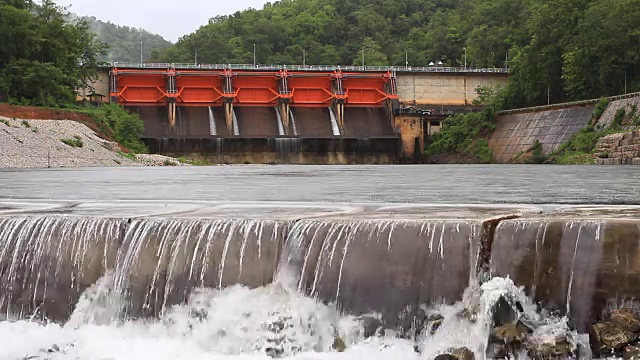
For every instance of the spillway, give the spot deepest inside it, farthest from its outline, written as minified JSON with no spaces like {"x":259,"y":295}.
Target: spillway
{"x":184,"y":108}
{"x":315,"y":269}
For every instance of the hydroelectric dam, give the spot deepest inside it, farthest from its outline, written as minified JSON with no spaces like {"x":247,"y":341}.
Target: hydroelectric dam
{"x":292,"y":114}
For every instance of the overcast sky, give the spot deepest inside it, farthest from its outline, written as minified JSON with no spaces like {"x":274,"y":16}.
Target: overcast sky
{"x":169,"y":18}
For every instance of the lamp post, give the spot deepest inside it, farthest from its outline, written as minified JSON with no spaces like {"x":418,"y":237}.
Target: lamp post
{"x":465,"y":57}
{"x":254,"y":55}
{"x":304,"y":57}
{"x":406,"y":59}
{"x":363,"y":57}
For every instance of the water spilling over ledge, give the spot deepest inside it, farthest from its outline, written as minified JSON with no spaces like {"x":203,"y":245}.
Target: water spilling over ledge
{"x":399,"y":264}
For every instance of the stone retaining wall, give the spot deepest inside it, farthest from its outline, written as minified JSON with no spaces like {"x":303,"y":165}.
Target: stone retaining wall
{"x":619,"y":149}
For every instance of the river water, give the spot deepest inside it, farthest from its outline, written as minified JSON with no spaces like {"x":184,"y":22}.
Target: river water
{"x":162,"y":286}
{"x":467,"y":184}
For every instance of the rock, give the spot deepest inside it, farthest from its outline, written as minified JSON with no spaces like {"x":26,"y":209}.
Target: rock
{"x":631,"y":352}
{"x":456,"y":354}
{"x":606,"y":338}
{"x":338,"y":344}
{"x":468,"y":314}
{"x":54,"y":348}
{"x":509,"y":334}
{"x":497,"y":350}
{"x":433,"y":323}
{"x":274,"y":352}
{"x":626,"y":320}
{"x":371,"y":327}
{"x":547,"y":347}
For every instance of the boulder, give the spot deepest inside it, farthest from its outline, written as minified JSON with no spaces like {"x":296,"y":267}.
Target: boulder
{"x":607,"y":338}
{"x":509,"y":334}
{"x":456,"y":354}
{"x":338,"y":344}
{"x":626,"y":320}
{"x":434,"y":322}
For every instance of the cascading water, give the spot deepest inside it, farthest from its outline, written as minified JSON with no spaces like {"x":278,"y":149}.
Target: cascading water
{"x":47,"y":262}
{"x":334,"y":123}
{"x":236,"y":129}
{"x":287,"y":146}
{"x":293,"y":123}
{"x":212,"y":123}
{"x":167,"y":288}
{"x":281,"y":131}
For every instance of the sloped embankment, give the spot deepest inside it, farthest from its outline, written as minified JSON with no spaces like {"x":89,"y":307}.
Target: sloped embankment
{"x":60,"y":143}
{"x":518,"y":132}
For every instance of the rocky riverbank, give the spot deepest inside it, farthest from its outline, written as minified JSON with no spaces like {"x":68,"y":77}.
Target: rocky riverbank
{"x":64,"y":143}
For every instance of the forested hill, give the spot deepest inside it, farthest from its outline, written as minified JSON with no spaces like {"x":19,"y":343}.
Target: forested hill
{"x":124,"y":41}
{"x":573,"y":49}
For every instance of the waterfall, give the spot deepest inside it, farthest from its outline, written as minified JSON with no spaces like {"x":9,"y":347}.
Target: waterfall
{"x":236,"y":130}
{"x":212,"y":123}
{"x":527,"y":249}
{"x":293,"y":123}
{"x":281,"y":131}
{"x":391,"y":263}
{"x":47,"y":262}
{"x":287,"y":146}
{"x":229,"y":282}
{"x":334,"y":123}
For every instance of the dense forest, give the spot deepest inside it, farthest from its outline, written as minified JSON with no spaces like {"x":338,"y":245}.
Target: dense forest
{"x":124,"y":41}
{"x":43,"y":56}
{"x":557,"y":50}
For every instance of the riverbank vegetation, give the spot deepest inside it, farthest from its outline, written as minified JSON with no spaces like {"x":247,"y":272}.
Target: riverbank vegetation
{"x":463,"y":137}
{"x":44,"y":58}
{"x":556,"y":50}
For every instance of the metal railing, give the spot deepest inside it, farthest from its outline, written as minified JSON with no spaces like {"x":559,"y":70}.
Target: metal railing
{"x":567,"y":104}
{"x":419,"y":69}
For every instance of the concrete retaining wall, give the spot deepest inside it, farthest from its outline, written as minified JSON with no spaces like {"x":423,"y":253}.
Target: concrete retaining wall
{"x":308,"y":151}
{"x":517,"y":132}
{"x":445,"y":89}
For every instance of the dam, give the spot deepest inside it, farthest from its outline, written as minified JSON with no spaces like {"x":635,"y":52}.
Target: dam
{"x":292,"y":114}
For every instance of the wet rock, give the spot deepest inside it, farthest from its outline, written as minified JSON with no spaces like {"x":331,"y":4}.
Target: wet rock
{"x":509,"y":334}
{"x":338,"y":344}
{"x":456,"y":354}
{"x":607,"y":338}
{"x":631,"y":352}
{"x":626,"y":320}
{"x":469,"y":314}
{"x":546,"y":347}
{"x":273,"y":352}
{"x":434,"y":322}
{"x":497,"y":350}
{"x":371,"y":327}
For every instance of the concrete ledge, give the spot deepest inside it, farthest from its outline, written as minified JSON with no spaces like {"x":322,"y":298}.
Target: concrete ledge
{"x":333,"y":150}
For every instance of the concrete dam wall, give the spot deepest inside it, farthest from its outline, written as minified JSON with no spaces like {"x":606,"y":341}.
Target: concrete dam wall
{"x":517,"y":132}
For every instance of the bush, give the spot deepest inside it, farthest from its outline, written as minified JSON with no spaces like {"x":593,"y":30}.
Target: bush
{"x":124,"y":126}
{"x":600,"y":108}
{"x":538,"y":156}
{"x":618,"y":119}
{"x":75,"y":142}
{"x":464,"y":135}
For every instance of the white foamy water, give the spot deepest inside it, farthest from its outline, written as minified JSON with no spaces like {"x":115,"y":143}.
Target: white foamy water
{"x":242,"y":323}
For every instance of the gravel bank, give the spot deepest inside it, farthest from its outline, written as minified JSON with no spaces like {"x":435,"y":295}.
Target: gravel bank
{"x":41,"y":144}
